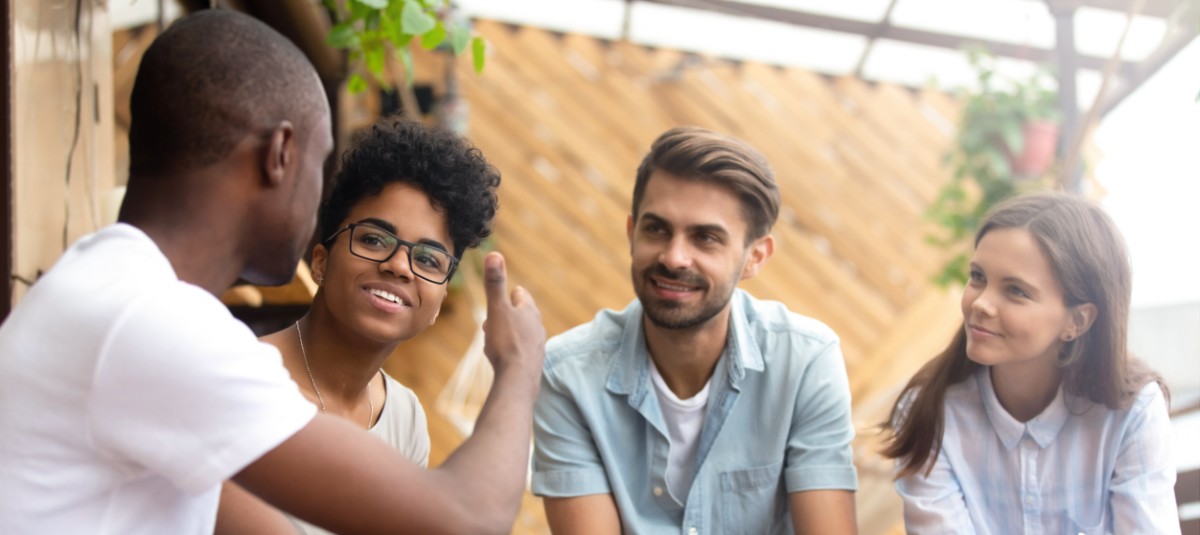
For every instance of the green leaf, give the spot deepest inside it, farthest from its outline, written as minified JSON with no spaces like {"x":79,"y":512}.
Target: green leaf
{"x":414,"y":20}
{"x":371,"y":21}
{"x":356,"y":84}
{"x":460,"y":36}
{"x":1014,"y":137}
{"x":407,"y":59}
{"x":434,"y":37}
{"x":389,"y":27}
{"x":374,"y":4}
{"x":375,"y":58}
{"x":478,"y":53}
{"x":342,"y":36}
{"x":358,"y":10}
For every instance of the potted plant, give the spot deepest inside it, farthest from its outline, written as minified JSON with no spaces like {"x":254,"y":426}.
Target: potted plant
{"x":1006,"y":140}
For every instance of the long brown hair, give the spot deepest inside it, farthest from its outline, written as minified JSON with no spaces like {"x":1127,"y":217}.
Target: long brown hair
{"x":1090,"y":262}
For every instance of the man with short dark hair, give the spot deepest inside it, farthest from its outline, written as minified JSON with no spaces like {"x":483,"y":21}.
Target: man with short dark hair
{"x":128,"y":393}
{"x":697,"y":408}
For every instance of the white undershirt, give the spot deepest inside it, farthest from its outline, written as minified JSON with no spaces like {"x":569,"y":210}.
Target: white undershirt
{"x":684,"y":418}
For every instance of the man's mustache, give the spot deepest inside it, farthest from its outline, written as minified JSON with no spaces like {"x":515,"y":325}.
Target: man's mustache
{"x":682,"y":276}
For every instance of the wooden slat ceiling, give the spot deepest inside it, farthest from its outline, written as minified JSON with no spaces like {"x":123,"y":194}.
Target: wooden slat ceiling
{"x":921,"y":26}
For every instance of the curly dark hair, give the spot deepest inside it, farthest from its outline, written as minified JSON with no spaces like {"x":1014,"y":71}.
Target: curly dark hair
{"x":444,"y":166}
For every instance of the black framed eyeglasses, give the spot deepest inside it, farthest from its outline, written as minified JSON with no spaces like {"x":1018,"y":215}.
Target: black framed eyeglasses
{"x":377,"y":245}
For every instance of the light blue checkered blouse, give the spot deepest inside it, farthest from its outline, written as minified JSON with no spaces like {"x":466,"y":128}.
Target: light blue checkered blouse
{"x":1077,"y":467}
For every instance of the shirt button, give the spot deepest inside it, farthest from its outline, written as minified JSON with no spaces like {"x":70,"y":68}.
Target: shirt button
{"x":692,"y":531}
{"x":658,"y":491}
{"x":1028,"y":500}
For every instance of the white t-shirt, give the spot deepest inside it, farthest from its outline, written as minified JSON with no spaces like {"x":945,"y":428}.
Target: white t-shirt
{"x":684,"y":419}
{"x":401,"y":425}
{"x":402,"y":422}
{"x":128,"y":396}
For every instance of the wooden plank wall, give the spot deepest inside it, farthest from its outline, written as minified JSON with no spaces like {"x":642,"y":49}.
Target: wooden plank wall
{"x":567,"y":118}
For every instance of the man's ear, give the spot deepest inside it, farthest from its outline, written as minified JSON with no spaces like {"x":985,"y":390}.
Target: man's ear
{"x":1081,"y":319}
{"x":280,"y":153}
{"x":757,"y":255}
{"x":629,"y":230}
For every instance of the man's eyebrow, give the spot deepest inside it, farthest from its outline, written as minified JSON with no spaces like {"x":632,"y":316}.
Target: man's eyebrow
{"x":709,"y":228}
{"x":655,"y":218}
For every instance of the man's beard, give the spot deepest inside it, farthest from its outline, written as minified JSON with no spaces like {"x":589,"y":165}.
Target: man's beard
{"x":671,"y":315}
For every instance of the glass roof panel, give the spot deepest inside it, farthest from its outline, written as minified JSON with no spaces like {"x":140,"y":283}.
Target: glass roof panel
{"x":1087,"y":85}
{"x":1011,"y":21}
{"x":125,"y":14}
{"x":1020,"y":22}
{"x":599,"y":18}
{"x":760,"y":40}
{"x":917,"y":65}
{"x":1097,"y":32}
{"x":864,"y":10}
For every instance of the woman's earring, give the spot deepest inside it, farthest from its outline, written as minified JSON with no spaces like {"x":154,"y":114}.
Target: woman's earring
{"x":321,"y":280}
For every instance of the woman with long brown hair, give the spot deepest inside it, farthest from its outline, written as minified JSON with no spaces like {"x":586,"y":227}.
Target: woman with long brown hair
{"x":1036,"y":419}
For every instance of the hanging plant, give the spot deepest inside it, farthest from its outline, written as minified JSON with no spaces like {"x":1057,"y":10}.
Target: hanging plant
{"x":372,"y":29}
{"x":1005,"y":143}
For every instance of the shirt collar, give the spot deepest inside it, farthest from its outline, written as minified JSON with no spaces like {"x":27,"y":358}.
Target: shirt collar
{"x":742,"y":350}
{"x":1043,"y":428}
{"x":630,"y":373}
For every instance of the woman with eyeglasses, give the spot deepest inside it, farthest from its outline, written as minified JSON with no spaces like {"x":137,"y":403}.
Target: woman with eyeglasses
{"x":406,"y":203}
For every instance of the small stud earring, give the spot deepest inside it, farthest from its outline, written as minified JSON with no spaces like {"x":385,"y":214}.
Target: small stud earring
{"x":320,"y":280}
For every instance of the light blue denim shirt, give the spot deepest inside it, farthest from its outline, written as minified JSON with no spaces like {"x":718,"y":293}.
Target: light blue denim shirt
{"x":778,"y":421}
{"x":1077,"y":467}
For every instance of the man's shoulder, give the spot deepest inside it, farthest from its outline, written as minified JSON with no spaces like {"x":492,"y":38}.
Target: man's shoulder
{"x":102,"y":281}
{"x":118,"y":262}
{"x":767,"y":318}
{"x":594,"y":342}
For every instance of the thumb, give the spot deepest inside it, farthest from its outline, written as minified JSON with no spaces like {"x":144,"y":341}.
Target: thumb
{"x":495,"y":280}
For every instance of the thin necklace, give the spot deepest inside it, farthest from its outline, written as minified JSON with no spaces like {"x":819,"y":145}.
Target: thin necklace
{"x":313,"y":380}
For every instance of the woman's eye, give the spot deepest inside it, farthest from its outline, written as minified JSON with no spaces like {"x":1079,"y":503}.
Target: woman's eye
{"x":427,"y":259}
{"x":377,"y":241}
{"x":976,"y":276}
{"x":1017,"y":291}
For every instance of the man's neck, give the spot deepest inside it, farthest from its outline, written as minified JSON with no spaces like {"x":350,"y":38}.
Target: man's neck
{"x":200,"y":270}
{"x":191,"y":227}
{"x":686,"y":358}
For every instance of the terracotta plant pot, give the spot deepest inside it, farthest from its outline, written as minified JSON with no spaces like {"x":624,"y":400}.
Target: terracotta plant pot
{"x":1037,"y":154}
